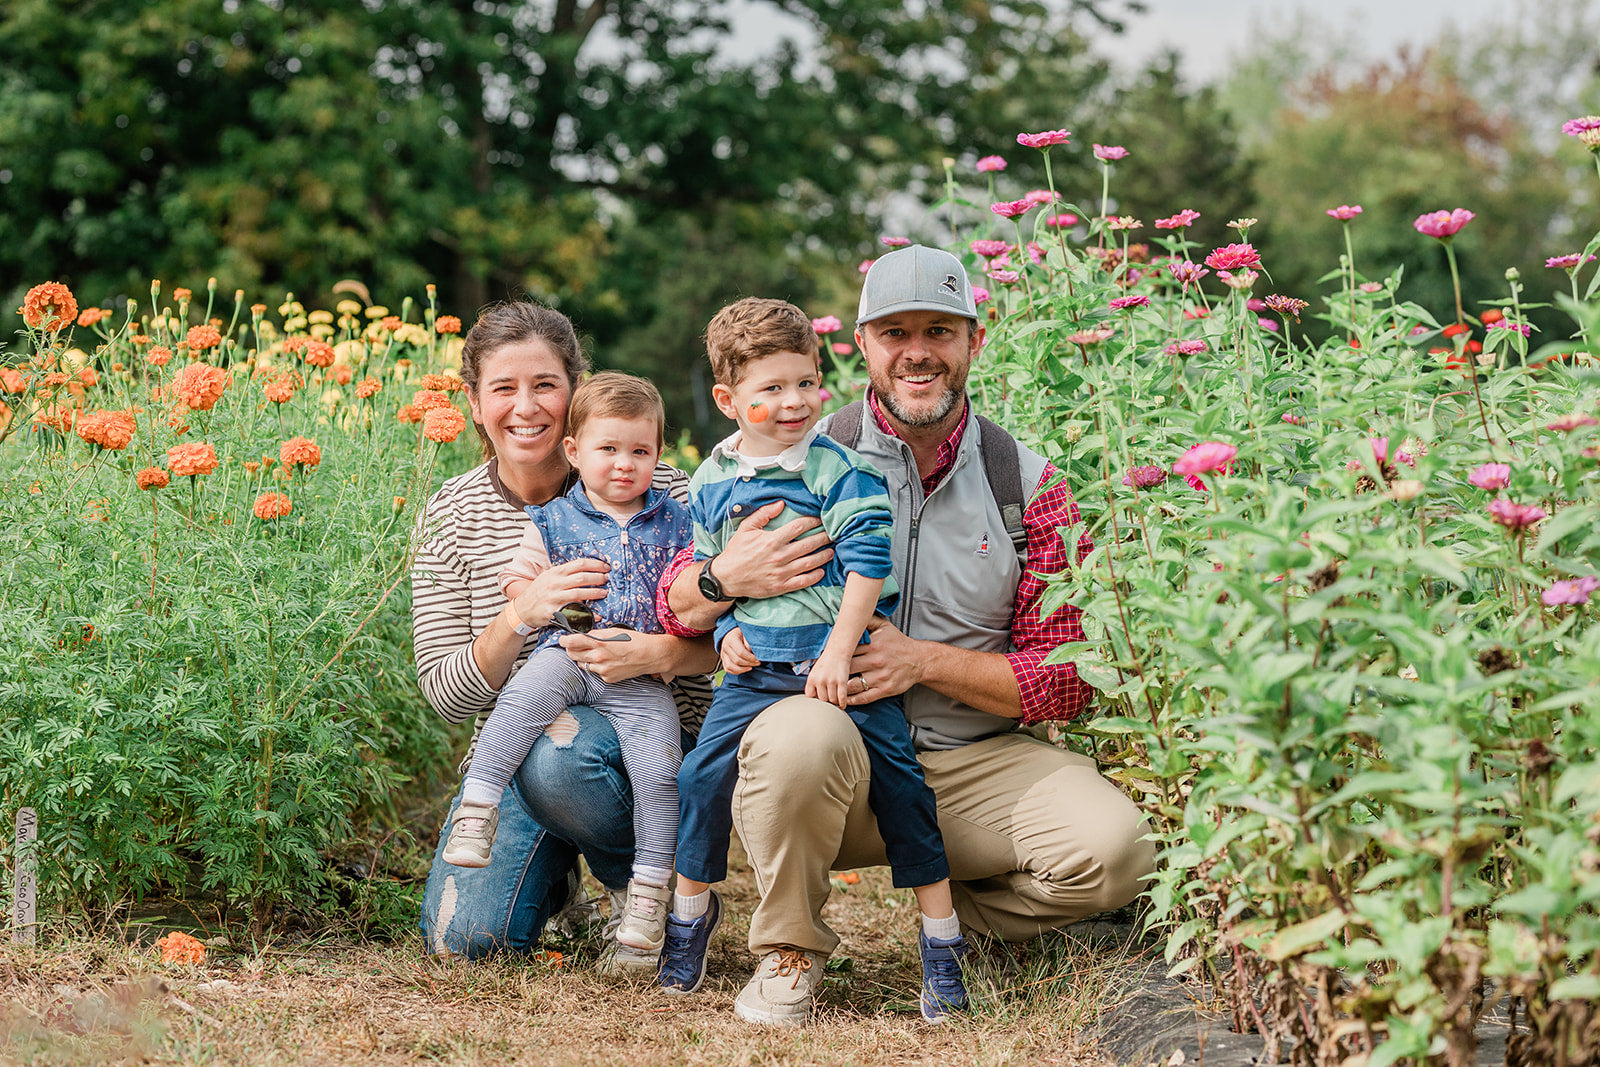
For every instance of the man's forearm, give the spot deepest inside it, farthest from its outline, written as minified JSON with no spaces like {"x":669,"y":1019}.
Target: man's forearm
{"x":690,"y":607}
{"x":984,"y":680}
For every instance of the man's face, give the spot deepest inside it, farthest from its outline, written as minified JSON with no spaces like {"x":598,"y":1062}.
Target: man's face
{"x":917,"y":362}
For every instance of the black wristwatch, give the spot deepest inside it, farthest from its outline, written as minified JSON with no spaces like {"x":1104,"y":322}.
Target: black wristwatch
{"x":710,"y":588}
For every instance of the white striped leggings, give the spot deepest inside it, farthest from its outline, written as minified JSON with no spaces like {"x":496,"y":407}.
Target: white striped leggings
{"x":646,"y":720}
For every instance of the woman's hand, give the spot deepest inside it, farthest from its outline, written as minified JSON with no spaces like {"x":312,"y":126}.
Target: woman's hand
{"x":736,"y":655}
{"x":758,"y":562}
{"x":640,"y":654}
{"x":558,"y":586}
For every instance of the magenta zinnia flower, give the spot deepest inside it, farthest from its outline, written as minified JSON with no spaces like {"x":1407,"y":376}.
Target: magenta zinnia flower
{"x":1186,"y":272}
{"x":1514,"y":516}
{"x":1178,"y":221}
{"x":1286,"y":305}
{"x":979,"y":294}
{"x":990,"y":249}
{"x":1270,"y":325}
{"x":1574,"y":127}
{"x":1345,"y":212}
{"x":1234,"y":257}
{"x":1107,"y":153}
{"x":1186,"y":348}
{"x":1568,"y":261}
{"x":1443,"y":224}
{"x":1004,"y":277}
{"x":895,"y":242}
{"x":866,"y":265}
{"x":1010,"y":209}
{"x":988,"y":163}
{"x":1062,"y":221}
{"x":1135,"y":301}
{"x":1144,"y":477}
{"x":1491,"y":476}
{"x":1575,"y":421}
{"x":1506,"y":324}
{"x":1044,"y":139}
{"x":1571,"y":591}
{"x":1036,"y":253}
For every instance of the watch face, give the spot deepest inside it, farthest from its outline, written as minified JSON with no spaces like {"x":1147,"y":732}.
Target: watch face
{"x":710,"y":588}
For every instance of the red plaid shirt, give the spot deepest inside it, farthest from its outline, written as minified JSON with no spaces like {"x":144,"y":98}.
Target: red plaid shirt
{"x":1050,"y":691}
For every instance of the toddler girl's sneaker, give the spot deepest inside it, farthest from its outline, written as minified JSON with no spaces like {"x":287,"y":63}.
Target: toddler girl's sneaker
{"x":644,"y":919}
{"x":472,"y":830}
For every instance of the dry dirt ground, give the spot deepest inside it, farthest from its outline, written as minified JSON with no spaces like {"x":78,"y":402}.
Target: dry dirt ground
{"x":320,"y":1000}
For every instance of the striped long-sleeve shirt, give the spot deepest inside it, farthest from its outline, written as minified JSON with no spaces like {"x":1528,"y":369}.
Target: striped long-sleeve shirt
{"x":832,"y":483}
{"x":470,"y":529}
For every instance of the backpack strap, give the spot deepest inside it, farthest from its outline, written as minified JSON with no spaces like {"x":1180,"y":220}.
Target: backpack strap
{"x":845,"y":426}
{"x":1003,"y":468}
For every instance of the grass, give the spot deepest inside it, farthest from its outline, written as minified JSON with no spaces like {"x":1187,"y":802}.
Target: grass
{"x":76,"y":999}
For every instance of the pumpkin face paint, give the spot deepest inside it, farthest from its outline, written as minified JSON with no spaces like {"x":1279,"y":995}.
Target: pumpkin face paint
{"x":757,"y":412}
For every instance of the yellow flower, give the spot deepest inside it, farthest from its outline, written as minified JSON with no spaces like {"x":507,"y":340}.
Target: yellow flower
{"x":297,"y":322}
{"x":321,"y":331}
{"x":376,"y":311}
{"x":347,"y":307}
{"x":410,"y":333}
{"x":324,"y":317}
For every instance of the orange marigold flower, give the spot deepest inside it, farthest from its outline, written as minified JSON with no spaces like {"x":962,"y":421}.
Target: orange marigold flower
{"x":364,"y":388}
{"x":279,"y":390}
{"x":443,"y":425}
{"x":117,"y":368}
{"x":342,"y":373}
{"x":447,"y":324}
{"x":428,"y":399}
{"x":50,"y":306}
{"x":179,"y":947}
{"x":159,"y":356}
{"x":191,"y":459}
{"x":203,"y":337}
{"x":55,"y":378}
{"x":56,"y":417}
{"x":91,"y":316}
{"x":251,"y":466}
{"x":13,"y":381}
{"x":443,"y":383}
{"x":200,"y":385}
{"x":139,"y":339}
{"x":409,"y":413}
{"x":107,"y":429}
{"x":295,"y":344}
{"x":88,"y":377}
{"x":257,"y":310}
{"x":271,"y":505}
{"x":299,"y":450}
{"x":180,"y":293}
{"x":152,"y":478}
{"x":319,"y":353}
{"x":389,"y":322}
{"x":97,"y":512}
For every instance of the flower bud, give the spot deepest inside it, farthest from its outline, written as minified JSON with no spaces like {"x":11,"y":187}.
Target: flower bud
{"x":1513,"y":274}
{"x":1405,"y":489}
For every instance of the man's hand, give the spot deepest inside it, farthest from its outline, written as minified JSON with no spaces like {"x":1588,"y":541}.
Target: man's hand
{"x":888,"y":666}
{"x":736,"y":655}
{"x":758,"y":562}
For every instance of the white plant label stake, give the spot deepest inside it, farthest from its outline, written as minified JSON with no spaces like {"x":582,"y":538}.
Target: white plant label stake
{"x":27,"y":886}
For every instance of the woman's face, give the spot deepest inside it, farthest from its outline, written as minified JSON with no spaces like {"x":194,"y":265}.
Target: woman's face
{"x":521,"y":402}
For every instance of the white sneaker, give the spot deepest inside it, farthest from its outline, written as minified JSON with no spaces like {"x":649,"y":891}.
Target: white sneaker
{"x":618,"y":960}
{"x":783,"y":990}
{"x":472,"y":830}
{"x":644,"y":916}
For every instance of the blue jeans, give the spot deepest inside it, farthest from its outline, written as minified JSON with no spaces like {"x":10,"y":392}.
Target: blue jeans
{"x":565,"y":799}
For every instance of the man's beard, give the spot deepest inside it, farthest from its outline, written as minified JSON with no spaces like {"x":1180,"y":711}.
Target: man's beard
{"x":931,"y":415}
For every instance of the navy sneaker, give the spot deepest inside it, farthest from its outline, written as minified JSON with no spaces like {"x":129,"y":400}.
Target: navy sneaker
{"x":683,"y":957}
{"x":942,"y":988}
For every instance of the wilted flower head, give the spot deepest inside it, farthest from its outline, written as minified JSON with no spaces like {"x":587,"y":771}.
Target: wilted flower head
{"x":1491,"y":476}
{"x":1570,"y":591}
{"x":1044,"y":139}
{"x":1206,"y":456}
{"x":1123,"y":222}
{"x":1287,"y":305}
{"x":1135,"y":301}
{"x":1514,"y":516}
{"x":1061,"y":221}
{"x":1107,"y":153}
{"x":1242,"y":224}
{"x":1443,"y":224}
{"x":1010,"y":209}
{"x":1243,"y":280}
{"x":991,"y":249}
{"x":1575,"y":421}
{"x":1181,"y":219}
{"x":827,"y":324}
{"x":1143,"y":477}
{"x":1345,"y":212}
{"x":1234,"y":257}
{"x":1185,"y":348}
{"x":991,"y":163}
{"x":1403,"y":489}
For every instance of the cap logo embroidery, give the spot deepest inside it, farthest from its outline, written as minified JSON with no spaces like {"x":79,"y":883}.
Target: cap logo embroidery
{"x":949,"y":283}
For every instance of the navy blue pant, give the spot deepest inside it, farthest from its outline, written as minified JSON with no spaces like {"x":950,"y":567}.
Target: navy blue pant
{"x":897,"y":793}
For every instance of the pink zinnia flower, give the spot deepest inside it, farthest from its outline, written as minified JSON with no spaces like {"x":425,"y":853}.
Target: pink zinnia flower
{"x":895,"y":242}
{"x":1186,"y":272}
{"x":827,"y":324}
{"x":1270,"y":325}
{"x":1514,"y":516}
{"x":1135,"y":301}
{"x":1186,"y":348}
{"x":1004,"y":277}
{"x":991,"y":249}
{"x":1036,"y":253}
{"x":1575,"y":421}
{"x":1181,"y":219}
{"x":1568,"y":261}
{"x":1204,"y":457}
{"x":1091,"y":336}
{"x":1371,"y":287}
{"x":1491,"y":476}
{"x":988,"y":163}
{"x":1571,"y":591}
{"x":1039,"y":196}
{"x":979,"y":294}
{"x":1574,"y":127}
{"x":1255,"y":303}
{"x":1061,"y":221}
{"x":1345,"y":212}
{"x":1506,"y":324}
{"x":1010,"y":209}
{"x":1143,"y":477}
{"x":1294,"y":420}
{"x":866,"y":265}
{"x":1443,"y":224}
{"x":842,"y":348}
{"x":1234,"y":257}
{"x":1107,"y":153}
{"x":1044,"y":139}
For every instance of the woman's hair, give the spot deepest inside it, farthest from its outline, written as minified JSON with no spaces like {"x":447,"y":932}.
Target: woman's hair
{"x":612,"y":394}
{"x":515,"y":322}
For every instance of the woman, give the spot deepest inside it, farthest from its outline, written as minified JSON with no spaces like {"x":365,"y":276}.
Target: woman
{"x":520,"y":363}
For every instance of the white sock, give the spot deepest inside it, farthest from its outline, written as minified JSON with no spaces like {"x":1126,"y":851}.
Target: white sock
{"x":474,"y":791}
{"x":690,"y":907}
{"x":946,"y":929}
{"x":656,"y":876}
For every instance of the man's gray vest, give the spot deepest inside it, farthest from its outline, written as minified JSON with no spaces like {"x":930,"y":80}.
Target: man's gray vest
{"x":955,"y":563}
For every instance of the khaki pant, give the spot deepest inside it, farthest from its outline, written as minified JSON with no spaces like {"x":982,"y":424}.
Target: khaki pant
{"x":1036,"y":838}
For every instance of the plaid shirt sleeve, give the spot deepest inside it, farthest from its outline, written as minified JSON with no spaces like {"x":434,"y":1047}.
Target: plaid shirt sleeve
{"x":670,"y":622}
{"x":1049,"y":691}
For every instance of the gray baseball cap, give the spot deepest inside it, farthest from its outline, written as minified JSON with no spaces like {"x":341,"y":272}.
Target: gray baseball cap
{"x":916,"y":278}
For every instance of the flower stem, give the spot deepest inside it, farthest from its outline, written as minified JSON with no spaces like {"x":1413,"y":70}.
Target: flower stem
{"x":1455,"y":279}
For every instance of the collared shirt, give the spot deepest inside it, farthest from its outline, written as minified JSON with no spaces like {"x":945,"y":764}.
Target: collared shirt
{"x":944,"y":458}
{"x":1049,"y":691}
{"x":791,"y":459}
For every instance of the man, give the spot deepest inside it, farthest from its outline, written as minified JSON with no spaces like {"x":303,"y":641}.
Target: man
{"x":1036,"y":838}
